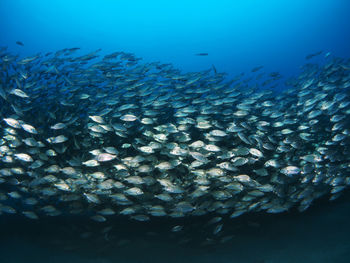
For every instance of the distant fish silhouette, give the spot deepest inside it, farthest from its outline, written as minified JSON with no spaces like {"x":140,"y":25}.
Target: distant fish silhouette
{"x":201,"y":54}
{"x":313,"y":55}
{"x":19,"y":43}
{"x":214,"y":68}
{"x":257,"y":68}
{"x":327,"y":54}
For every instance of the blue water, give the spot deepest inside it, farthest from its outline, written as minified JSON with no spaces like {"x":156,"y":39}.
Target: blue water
{"x":238,"y":35}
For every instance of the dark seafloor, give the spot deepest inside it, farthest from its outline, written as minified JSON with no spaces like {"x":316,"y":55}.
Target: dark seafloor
{"x":320,"y":234}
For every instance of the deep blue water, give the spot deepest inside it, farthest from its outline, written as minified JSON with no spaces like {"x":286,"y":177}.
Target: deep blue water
{"x":238,"y":36}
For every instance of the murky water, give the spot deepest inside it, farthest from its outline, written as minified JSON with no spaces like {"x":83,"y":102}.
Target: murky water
{"x":320,"y":234}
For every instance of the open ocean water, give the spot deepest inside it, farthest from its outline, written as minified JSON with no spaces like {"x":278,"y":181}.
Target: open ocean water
{"x":174,"y":131}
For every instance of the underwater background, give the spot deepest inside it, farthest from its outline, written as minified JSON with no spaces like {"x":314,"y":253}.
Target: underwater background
{"x":237,"y":35}
{"x":231,"y":37}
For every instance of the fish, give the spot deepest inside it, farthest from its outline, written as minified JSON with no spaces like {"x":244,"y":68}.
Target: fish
{"x":19,"y":43}
{"x":202,"y":54}
{"x":310,"y":56}
{"x":214,"y":69}
{"x":255,"y":69}
{"x":112,"y":136}
{"x":19,"y":93}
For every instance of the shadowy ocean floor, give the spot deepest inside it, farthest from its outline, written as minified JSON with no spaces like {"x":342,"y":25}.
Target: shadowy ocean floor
{"x":320,"y":234}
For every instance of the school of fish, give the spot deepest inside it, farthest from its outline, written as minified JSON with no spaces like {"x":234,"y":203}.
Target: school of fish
{"x":105,"y":136}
